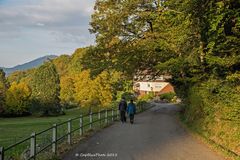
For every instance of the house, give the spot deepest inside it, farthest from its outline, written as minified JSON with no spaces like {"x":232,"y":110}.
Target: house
{"x":148,"y":85}
{"x":156,"y":87}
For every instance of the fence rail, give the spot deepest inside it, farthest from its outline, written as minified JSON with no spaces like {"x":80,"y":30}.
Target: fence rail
{"x":80,"y":124}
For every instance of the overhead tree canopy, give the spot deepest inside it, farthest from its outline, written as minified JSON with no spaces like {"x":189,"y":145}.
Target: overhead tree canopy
{"x":191,"y":40}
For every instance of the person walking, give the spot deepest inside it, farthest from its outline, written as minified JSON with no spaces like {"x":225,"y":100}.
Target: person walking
{"x":131,"y":110}
{"x":122,"y":109}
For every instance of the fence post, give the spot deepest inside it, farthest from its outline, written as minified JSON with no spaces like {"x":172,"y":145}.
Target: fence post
{"x":33,"y":146}
{"x":69,"y":131}
{"x":81,"y":125}
{"x":106,"y":116}
{"x":1,"y":153}
{"x":90,"y":120}
{"x":99,"y":117}
{"x":112,"y":114}
{"x":54,"y":139}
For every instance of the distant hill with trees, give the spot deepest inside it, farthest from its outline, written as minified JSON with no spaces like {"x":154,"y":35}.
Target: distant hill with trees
{"x":29,"y":65}
{"x":63,"y":82}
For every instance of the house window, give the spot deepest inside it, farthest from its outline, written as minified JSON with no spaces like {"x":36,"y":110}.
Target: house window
{"x":148,"y":85}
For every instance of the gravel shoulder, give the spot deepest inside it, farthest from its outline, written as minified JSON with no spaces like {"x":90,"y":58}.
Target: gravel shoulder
{"x":155,"y":135}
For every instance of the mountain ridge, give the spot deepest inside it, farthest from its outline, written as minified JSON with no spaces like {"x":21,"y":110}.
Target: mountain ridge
{"x":28,"y":65}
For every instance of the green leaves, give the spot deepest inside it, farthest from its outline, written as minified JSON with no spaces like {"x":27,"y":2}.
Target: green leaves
{"x":45,"y":86}
{"x":133,"y":36}
{"x":3,"y":89}
{"x":123,"y":31}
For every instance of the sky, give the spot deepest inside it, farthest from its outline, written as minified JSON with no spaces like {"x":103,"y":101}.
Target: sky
{"x":30,"y":29}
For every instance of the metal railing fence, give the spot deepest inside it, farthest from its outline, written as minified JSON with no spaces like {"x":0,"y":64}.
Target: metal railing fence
{"x":49,"y":139}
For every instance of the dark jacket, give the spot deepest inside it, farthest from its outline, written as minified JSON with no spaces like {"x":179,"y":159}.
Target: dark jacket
{"x":131,"y":108}
{"x":122,"y":105}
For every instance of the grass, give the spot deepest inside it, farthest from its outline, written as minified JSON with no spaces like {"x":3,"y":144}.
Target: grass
{"x":15,"y":129}
{"x":198,"y":133}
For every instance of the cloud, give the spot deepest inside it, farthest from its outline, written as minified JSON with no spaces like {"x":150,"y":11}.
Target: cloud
{"x":63,"y":16}
{"x":40,"y":24}
{"x":39,"y":27}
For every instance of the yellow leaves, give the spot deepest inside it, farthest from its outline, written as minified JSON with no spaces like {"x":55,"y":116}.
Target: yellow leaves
{"x":84,"y":88}
{"x":220,"y":4}
{"x":19,"y":90}
{"x":234,"y":77}
{"x":62,"y":63}
{"x":114,"y":41}
{"x":17,"y":96}
{"x":103,"y":84}
{"x":98,"y":91}
{"x":67,"y":89}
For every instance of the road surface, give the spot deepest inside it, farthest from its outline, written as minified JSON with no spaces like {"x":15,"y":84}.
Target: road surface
{"x":155,"y":135}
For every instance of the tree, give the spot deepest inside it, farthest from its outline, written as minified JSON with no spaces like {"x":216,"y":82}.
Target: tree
{"x":98,"y":91}
{"x":3,"y":89}
{"x":191,"y":40}
{"x":45,"y":86}
{"x":105,"y":87}
{"x":76,"y":65}
{"x":86,"y":93}
{"x":135,"y":36}
{"x":218,"y":23}
{"x":17,"y":99}
{"x":62,"y":62}
{"x":67,"y":91}
{"x":119,"y":26}
{"x":17,"y":76}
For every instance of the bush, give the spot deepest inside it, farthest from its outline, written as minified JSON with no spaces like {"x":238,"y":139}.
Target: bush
{"x":146,"y":97}
{"x":168,"y":96}
{"x":213,"y":111}
{"x":127,"y":95}
{"x":69,"y":105}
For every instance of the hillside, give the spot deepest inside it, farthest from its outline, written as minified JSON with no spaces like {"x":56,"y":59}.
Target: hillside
{"x":32,"y":64}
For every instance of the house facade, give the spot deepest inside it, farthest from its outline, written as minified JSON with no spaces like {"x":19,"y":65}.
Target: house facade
{"x":156,"y":87}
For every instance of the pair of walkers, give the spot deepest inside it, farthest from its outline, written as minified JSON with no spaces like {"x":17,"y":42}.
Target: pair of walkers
{"x":129,"y":108}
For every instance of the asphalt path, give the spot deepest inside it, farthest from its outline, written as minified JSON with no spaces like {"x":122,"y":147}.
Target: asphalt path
{"x":156,"y":135}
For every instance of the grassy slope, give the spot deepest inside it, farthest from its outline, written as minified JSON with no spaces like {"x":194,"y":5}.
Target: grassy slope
{"x":213,"y":113}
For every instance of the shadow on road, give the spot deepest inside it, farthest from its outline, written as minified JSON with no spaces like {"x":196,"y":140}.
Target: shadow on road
{"x":156,"y":135}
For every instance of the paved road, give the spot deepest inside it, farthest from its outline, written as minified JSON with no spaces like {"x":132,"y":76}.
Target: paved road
{"x":156,"y":135}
